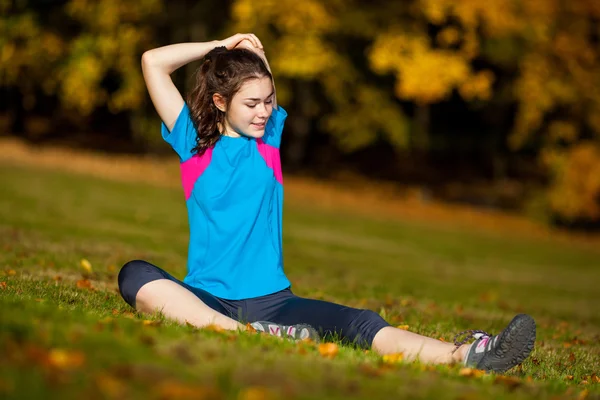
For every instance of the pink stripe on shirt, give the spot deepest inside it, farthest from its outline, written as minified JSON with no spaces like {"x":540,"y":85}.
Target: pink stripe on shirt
{"x":192,"y":169}
{"x":272,"y":158}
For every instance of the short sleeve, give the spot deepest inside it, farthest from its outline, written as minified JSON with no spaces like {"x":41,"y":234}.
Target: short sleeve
{"x":183,"y":136}
{"x":274,"y":127}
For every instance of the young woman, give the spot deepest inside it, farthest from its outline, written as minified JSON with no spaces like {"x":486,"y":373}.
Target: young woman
{"x":227,"y":136}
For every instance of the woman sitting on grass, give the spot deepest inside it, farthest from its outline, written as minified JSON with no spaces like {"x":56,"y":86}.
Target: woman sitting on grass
{"x":227,"y":137}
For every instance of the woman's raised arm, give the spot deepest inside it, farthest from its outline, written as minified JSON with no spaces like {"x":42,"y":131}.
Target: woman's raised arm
{"x":158,"y":65}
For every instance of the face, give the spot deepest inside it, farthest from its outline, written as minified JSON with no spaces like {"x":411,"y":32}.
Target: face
{"x":250,"y":109}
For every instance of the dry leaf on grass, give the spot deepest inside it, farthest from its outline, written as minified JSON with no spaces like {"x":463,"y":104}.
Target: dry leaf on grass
{"x":2,"y":285}
{"x":328,"y":350}
{"x":110,"y":386}
{"x":84,"y":284}
{"x":149,"y":322}
{"x":86,"y":265}
{"x":213,"y":328}
{"x":177,"y":390}
{"x":403,"y":327}
{"x":256,"y":393}
{"x":471,"y":372}
{"x":393,"y":358}
{"x":66,"y":359}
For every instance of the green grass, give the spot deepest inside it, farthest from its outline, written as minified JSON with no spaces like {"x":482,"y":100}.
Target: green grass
{"x":58,"y":340}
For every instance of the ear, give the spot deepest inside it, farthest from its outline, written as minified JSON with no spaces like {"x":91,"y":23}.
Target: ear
{"x":219,"y":102}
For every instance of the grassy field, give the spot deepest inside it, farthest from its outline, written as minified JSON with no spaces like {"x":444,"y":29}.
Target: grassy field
{"x":66,"y":333}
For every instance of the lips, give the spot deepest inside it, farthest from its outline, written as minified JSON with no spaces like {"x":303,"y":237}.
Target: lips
{"x":259,"y":126}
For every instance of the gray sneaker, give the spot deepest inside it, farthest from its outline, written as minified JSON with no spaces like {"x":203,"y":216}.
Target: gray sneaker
{"x":501,"y":352}
{"x":294,"y":332}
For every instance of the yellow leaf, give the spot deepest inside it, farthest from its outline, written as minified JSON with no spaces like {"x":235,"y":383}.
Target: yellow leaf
{"x":213,"y":328}
{"x":403,"y":327}
{"x":66,"y":359}
{"x":393,"y":358}
{"x":255,"y":393}
{"x":471,"y":372}
{"x":328,"y":350}
{"x":86,"y":265}
{"x":2,"y":285}
{"x":12,"y":272}
{"x":149,"y":322}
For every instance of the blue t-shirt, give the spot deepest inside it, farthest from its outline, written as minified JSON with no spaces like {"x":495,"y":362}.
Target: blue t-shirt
{"x":234,"y":197}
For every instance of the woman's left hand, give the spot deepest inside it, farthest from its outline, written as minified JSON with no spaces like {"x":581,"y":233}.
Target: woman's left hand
{"x":247,"y":44}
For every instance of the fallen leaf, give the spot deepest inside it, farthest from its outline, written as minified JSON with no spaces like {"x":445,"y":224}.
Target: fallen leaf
{"x":393,"y":358}
{"x":84,"y":284}
{"x":572,"y":358}
{"x":584,"y":382}
{"x":57,"y":278}
{"x":594,"y":378}
{"x":110,"y":386}
{"x":569,"y":377}
{"x":149,"y":322}
{"x":66,"y":359}
{"x":213,"y":328}
{"x":403,"y":327}
{"x":177,"y":390}
{"x":115,"y":311}
{"x":12,"y":272}
{"x":86,"y":265}
{"x":250,"y":328}
{"x":256,"y":393}
{"x":471,"y":372}
{"x":2,"y":285}
{"x":328,"y":350}
{"x":583,"y":394}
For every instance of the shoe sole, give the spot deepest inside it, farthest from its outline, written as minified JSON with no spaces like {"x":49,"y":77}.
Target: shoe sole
{"x":514,"y":346}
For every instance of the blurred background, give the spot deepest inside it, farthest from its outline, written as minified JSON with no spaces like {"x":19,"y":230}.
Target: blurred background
{"x":492,"y":104}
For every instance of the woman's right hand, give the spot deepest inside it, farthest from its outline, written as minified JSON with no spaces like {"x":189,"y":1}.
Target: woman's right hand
{"x":232,"y":41}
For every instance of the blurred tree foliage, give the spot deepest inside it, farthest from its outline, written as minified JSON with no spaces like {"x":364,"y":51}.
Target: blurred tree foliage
{"x":360,"y":73}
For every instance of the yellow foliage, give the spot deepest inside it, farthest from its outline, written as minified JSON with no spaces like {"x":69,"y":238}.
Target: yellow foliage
{"x":576,"y":192}
{"x":424,"y":75}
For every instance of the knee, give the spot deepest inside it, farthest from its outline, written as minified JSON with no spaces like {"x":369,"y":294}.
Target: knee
{"x":131,"y":278}
{"x":365,"y":326}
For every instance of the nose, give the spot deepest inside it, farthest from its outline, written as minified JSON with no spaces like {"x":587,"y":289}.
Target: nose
{"x":262,"y":111}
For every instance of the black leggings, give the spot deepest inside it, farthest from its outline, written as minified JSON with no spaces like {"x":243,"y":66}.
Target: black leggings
{"x":350,"y":324}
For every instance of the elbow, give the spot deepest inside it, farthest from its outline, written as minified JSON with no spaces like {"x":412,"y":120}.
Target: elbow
{"x":148,"y":59}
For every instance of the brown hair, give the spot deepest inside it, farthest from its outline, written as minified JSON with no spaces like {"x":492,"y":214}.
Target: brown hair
{"x":224,"y":72}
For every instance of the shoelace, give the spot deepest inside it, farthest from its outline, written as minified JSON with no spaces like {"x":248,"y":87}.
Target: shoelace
{"x":471,"y":333}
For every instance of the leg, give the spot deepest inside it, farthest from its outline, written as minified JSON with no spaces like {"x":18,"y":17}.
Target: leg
{"x":285,"y":308}
{"x":363,"y":327}
{"x":148,"y":288}
{"x":414,"y":346}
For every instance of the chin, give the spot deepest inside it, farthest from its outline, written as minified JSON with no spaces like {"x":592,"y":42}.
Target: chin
{"x":256,"y":134}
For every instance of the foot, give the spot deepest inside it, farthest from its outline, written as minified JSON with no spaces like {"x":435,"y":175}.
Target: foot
{"x":294,"y":332}
{"x":501,"y":352}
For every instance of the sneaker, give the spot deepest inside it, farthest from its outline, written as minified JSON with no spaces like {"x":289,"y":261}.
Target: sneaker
{"x":501,"y":352}
{"x":294,"y":332}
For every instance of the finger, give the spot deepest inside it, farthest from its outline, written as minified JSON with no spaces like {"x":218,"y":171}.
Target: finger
{"x":257,"y":41}
{"x":246,"y":37}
